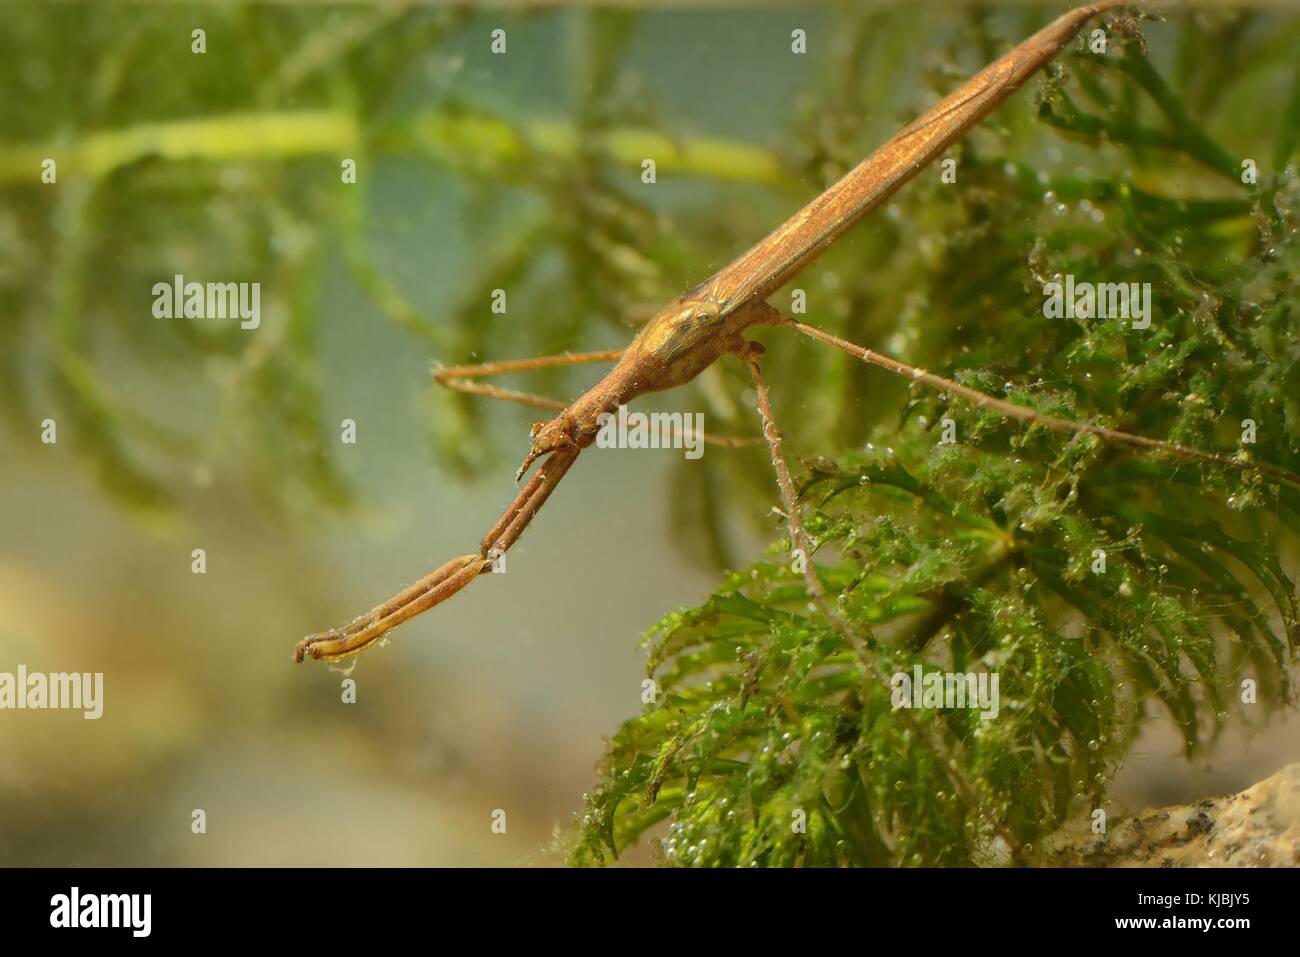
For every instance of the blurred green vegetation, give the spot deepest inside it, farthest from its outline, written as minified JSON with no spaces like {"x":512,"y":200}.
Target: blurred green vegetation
{"x":234,"y":172}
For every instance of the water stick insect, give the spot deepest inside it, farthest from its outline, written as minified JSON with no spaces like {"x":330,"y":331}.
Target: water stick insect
{"x":708,"y":322}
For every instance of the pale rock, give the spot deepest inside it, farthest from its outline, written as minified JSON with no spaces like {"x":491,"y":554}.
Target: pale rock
{"x":1257,"y":827}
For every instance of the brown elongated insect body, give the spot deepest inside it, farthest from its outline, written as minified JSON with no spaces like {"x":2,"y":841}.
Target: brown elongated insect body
{"x":697,"y":328}
{"x":791,"y":247}
{"x":694,"y":330}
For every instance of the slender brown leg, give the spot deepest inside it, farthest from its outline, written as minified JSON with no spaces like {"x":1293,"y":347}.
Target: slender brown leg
{"x":790,"y":500}
{"x":328,"y":644}
{"x":452,"y":377}
{"x":799,"y":538}
{"x":1023,"y":414}
{"x":441,"y":584}
{"x":551,"y":472}
{"x":508,"y":516}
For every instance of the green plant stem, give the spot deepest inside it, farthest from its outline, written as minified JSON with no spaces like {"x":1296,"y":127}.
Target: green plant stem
{"x":459,"y":139}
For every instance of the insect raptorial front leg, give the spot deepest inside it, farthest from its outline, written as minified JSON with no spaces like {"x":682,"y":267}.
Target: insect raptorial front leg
{"x":441,"y":584}
{"x":434,"y":588}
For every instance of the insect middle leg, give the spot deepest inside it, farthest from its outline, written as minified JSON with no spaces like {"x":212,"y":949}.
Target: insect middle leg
{"x":790,"y":501}
{"x":860,"y":644}
{"x":454,"y":377}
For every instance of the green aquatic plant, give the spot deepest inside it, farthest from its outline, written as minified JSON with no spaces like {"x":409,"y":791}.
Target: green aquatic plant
{"x":227,"y":164}
{"x":1097,"y":585}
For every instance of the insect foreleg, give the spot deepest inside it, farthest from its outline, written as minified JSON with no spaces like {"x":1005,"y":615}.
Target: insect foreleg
{"x":448,"y":579}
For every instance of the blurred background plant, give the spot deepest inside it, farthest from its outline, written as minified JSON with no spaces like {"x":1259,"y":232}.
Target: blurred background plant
{"x":522,"y":172}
